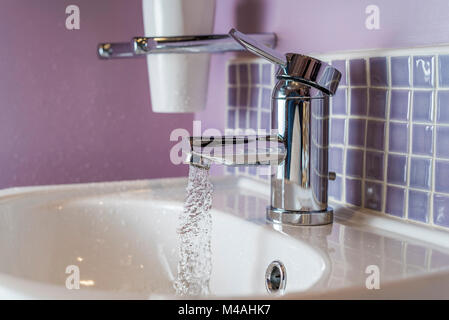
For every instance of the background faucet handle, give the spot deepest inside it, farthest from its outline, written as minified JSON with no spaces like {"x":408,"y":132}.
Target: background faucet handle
{"x":258,"y":48}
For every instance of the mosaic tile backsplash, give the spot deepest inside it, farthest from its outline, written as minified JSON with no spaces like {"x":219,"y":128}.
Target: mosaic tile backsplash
{"x":389,"y":128}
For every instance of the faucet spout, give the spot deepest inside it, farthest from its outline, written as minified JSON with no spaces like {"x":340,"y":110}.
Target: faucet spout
{"x":236,"y":150}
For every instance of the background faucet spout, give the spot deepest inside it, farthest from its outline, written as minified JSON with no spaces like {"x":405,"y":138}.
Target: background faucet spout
{"x":236,"y":150}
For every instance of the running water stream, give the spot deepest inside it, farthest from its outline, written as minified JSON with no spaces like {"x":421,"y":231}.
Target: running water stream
{"x":194,"y":231}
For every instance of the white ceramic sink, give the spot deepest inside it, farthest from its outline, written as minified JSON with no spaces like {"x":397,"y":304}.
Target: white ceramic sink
{"x":123,"y":238}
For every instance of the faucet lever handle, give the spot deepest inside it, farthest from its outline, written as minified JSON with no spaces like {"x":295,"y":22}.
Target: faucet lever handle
{"x":258,"y":48}
{"x":301,"y":68}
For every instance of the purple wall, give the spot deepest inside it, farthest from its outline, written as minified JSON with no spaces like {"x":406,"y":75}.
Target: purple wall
{"x":338,"y":25}
{"x":66,"y":116}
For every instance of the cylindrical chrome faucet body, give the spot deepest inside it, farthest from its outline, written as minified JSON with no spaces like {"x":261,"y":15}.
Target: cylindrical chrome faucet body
{"x":300,"y":117}
{"x":299,"y":184}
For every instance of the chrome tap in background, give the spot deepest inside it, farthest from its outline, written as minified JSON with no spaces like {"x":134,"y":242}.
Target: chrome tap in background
{"x":300,"y":129}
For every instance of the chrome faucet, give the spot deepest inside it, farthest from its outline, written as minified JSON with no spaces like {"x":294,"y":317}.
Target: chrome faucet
{"x":297,"y":146}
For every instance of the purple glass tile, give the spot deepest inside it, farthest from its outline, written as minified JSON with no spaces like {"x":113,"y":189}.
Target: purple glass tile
{"x":423,"y":71}
{"x":442,"y":176}
{"x":441,"y":210}
{"x":420,"y":173}
{"x":443,"y":68}
{"x":265,"y":120}
{"x":373,"y":196}
{"x":252,"y":170}
{"x":377,"y":103}
{"x":336,"y":159}
{"x":255,"y":74}
{"x":443,"y":107}
{"x":231,"y":119}
{"x":242,"y":169}
{"x":442,"y":143}
{"x":243,"y":74}
{"x":356,"y":135}
{"x":254,"y":97}
{"x":400,"y":73}
{"x":335,"y":188}
{"x":398,"y":137}
{"x":399,"y":105}
{"x":375,"y":135}
{"x":359,"y":102}
{"x":253,"y":120}
{"x":266,"y":99}
{"x":354,"y":192}
{"x":266,"y":73}
{"x":423,"y":106}
{"x":378,"y":71}
{"x":243,"y":96}
{"x":397,"y":169}
{"x":354,"y":163}
{"x":242,"y":119}
{"x":357,"y":72}
{"x":418,"y":205}
{"x":232,"y":74}
{"x":422,"y":139}
{"x":340,"y":65}
{"x":395,"y":201}
{"x":337,"y":135}
{"x":232,"y":97}
{"x":374,"y":165}
{"x":339,"y":102}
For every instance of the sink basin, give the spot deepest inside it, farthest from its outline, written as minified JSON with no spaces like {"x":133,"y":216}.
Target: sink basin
{"x":122,"y":238}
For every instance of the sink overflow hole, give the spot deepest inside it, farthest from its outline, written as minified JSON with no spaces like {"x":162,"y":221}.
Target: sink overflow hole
{"x":276,"y":278}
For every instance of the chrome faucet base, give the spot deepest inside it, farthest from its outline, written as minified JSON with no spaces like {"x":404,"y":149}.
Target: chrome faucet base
{"x":300,"y":218}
